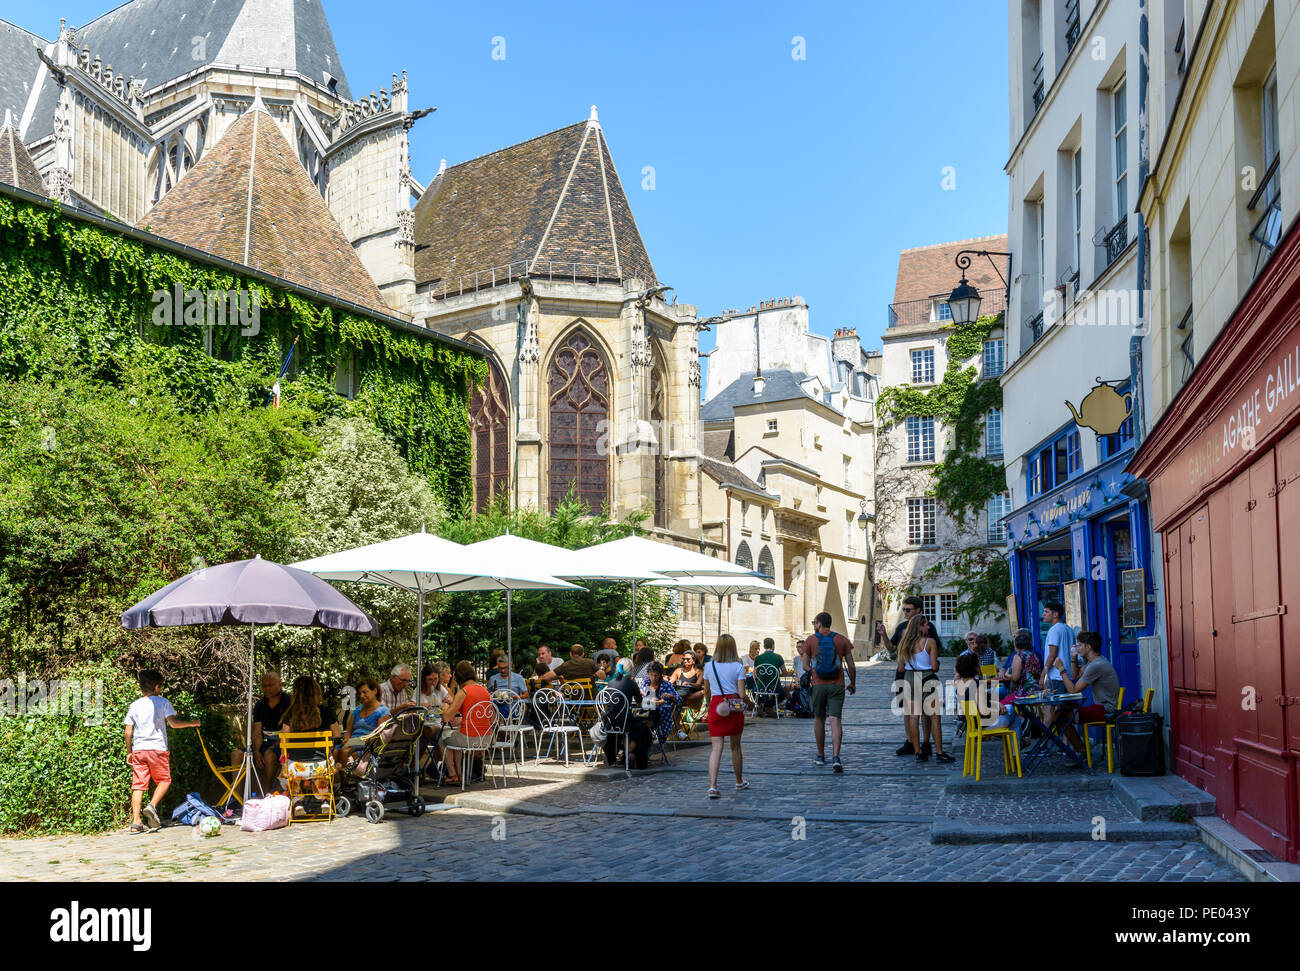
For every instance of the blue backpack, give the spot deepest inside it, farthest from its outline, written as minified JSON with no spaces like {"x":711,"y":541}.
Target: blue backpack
{"x":189,"y":811}
{"x":827,"y":662}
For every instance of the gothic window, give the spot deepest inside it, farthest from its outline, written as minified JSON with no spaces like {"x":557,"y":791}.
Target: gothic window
{"x":579,"y":392}
{"x":658,"y":424}
{"x":744,"y":557}
{"x":767,"y":567}
{"x":311,"y":159}
{"x":489,"y":422}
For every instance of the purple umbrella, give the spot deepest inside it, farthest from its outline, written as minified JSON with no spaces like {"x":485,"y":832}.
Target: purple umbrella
{"x":249,"y":592}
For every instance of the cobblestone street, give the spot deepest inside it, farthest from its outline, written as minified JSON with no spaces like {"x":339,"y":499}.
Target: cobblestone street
{"x":796,"y":822}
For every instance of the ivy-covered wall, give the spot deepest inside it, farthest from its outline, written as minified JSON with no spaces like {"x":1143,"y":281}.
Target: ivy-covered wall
{"x":78,"y":296}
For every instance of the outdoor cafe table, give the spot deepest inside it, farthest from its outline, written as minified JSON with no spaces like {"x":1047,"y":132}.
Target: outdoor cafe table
{"x":1025,"y":706}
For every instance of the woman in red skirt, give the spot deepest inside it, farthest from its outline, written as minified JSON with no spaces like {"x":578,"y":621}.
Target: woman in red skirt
{"x":724,"y":678}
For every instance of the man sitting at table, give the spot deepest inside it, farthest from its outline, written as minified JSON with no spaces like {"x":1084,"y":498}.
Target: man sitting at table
{"x":503,"y":679}
{"x":576,"y":668}
{"x":637,"y":730}
{"x":771,"y":685}
{"x":544,"y":657}
{"x":268,"y":716}
{"x":394,"y":692}
{"x":1088,"y":669}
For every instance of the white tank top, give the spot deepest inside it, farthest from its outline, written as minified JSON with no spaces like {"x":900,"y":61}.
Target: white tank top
{"x":920,"y":662}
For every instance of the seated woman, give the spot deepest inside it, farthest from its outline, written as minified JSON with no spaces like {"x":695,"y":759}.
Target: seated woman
{"x":461,"y":724}
{"x":363,"y":719}
{"x":673,"y":660}
{"x":602,"y":673}
{"x":656,"y":685}
{"x":970,"y":687}
{"x":1023,"y":667}
{"x":688,"y":682}
{"x":307,"y":713}
{"x":641,"y":660}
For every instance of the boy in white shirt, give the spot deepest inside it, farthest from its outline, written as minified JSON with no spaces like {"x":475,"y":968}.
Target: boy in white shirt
{"x":146,"y":724}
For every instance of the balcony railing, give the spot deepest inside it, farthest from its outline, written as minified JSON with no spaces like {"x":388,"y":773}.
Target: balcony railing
{"x":993,"y":300}
{"x":1036,"y":328}
{"x":1040,"y":90}
{"x":549,"y":270}
{"x":1115,"y":241}
{"x":1072,"y":26}
{"x":1267,"y":200}
{"x":1189,"y":361}
{"x":1180,"y":48}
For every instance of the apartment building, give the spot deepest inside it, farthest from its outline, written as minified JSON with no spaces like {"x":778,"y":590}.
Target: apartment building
{"x":914,"y":533}
{"x":1222,"y":454}
{"x":1079,"y":529}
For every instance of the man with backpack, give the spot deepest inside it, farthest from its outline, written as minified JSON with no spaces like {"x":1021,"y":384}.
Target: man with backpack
{"x":826,"y":654}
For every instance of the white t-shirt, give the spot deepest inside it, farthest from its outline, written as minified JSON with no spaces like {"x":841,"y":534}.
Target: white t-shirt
{"x":730,"y":672}
{"x":1062,"y":637}
{"x":798,"y":665}
{"x":435,"y":700}
{"x":148,"y":716}
{"x":749,"y":663}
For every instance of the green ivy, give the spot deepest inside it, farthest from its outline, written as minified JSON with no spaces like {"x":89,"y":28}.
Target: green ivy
{"x":78,"y":297}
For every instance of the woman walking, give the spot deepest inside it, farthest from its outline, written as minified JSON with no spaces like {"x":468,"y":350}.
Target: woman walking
{"x":724,"y":681}
{"x":917,"y":652}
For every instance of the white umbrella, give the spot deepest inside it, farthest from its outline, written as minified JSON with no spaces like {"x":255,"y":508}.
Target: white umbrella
{"x":604,"y":560}
{"x":528,"y":557}
{"x":748,"y":586}
{"x":424,"y":564}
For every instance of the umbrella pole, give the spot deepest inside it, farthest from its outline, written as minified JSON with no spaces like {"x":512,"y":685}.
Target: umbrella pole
{"x":248,"y":723}
{"x":633,"y":616}
{"x":419,"y":667}
{"x":510,"y":645}
{"x":719,"y":618}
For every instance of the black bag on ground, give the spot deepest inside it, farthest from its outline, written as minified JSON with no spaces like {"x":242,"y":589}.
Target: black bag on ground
{"x":1140,"y":738}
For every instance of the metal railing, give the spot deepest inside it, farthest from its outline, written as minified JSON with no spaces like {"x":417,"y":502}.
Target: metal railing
{"x":993,"y":300}
{"x":1040,"y":89}
{"x":1115,"y":241}
{"x":1267,"y":230}
{"x":1185,"y":347}
{"x":1035,"y":324}
{"x":1072,"y":25}
{"x":550,"y":270}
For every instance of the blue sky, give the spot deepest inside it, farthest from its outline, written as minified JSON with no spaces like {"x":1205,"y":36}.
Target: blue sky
{"x":772,"y":176}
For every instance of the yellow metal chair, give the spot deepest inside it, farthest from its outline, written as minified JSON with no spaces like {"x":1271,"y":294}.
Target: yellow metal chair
{"x":975,"y":735}
{"x":989,"y":671}
{"x":1109,"y":726}
{"x":1146,"y":700}
{"x":308,"y":779}
{"x":230,"y":776}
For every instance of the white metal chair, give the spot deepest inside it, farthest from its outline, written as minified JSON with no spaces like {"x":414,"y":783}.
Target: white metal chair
{"x":553,"y":717}
{"x":767,"y":684}
{"x":613,"y":709}
{"x":513,"y":726}
{"x":482,"y":716}
{"x":507,"y":730}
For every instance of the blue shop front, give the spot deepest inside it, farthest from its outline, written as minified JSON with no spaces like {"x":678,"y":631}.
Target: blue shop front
{"x":1081,"y":544}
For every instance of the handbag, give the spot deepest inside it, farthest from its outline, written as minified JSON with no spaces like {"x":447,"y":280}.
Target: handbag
{"x":724,"y":706}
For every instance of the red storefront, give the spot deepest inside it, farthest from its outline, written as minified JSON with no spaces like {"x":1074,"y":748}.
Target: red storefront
{"x":1223,"y":465}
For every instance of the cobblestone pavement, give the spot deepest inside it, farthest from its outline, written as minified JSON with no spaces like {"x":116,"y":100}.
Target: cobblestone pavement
{"x":796,"y":822}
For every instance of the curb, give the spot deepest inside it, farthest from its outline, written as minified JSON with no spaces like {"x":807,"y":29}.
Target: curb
{"x":1164,"y":797}
{"x":959,"y":831}
{"x":1251,"y":861}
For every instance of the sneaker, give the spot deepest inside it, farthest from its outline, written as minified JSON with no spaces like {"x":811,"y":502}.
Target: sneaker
{"x":836,"y":765}
{"x":820,"y":760}
{"x":906,"y":749}
{"x":944,"y":757}
{"x":150,"y":816}
{"x":926,"y":750}
{"x":923,"y":756}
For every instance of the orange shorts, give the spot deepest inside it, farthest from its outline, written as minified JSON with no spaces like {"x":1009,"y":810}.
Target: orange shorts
{"x":150,"y":764}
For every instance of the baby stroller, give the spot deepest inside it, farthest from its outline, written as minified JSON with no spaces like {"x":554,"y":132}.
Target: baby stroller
{"x":380,"y":774}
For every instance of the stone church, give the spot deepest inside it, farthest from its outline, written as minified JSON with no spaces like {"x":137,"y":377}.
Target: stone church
{"x":157,"y":113}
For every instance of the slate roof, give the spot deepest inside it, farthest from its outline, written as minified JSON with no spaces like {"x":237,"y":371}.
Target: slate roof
{"x":284,"y":227}
{"x":929,"y":270}
{"x":553,"y":198}
{"x":154,"y":40}
{"x":726,"y":474}
{"x":16,"y":166}
{"x":18,"y":66}
{"x":777,"y":386}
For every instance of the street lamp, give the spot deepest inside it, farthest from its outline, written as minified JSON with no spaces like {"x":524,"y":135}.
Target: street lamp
{"x":964,"y":301}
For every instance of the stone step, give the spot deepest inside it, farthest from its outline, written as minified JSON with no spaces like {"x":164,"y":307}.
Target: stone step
{"x":962,"y":831}
{"x":1162,"y":797}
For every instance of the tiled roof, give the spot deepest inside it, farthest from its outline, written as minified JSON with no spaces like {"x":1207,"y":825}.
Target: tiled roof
{"x":777,"y":386}
{"x":718,"y":443}
{"x":282,"y":226}
{"x":16,"y":166}
{"x":726,"y":474}
{"x":555,"y":198}
{"x":157,"y":40}
{"x":930,"y":270}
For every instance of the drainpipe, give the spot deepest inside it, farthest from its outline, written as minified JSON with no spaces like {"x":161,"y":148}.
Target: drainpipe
{"x":1144,"y":156}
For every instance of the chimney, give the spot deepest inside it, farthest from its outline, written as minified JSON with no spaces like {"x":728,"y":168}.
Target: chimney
{"x":846,"y":346}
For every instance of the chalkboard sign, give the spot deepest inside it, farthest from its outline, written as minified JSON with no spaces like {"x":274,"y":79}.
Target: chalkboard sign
{"x":1012,"y":620}
{"x":1076,"y":607}
{"x":1133,"y":598}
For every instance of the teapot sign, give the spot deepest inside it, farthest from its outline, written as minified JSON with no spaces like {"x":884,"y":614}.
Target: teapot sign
{"x":1104,"y":409}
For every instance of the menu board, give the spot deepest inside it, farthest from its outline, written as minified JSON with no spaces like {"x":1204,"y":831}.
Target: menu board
{"x":1133,"y":598}
{"x":1012,"y":620}
{"x":1076,"y":609}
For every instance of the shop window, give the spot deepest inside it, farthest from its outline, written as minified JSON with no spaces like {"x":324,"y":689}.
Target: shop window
{"x":1054,"y":463}
{"x":1108,"y":446}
